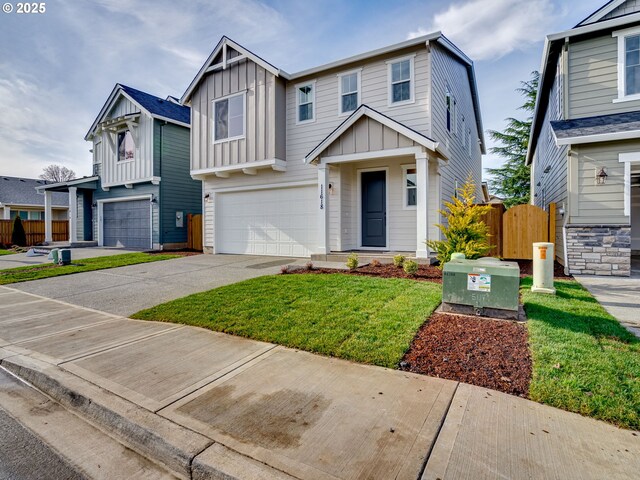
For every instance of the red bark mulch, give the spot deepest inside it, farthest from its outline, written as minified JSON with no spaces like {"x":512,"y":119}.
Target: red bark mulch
{"x":488,"y":353}
{"x":526,"y":269}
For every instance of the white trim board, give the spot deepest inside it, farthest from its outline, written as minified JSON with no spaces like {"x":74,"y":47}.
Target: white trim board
{"x":601,"y":137}
{"x":628,"y":159}
{"x":375,"y":155}
{"x":275,"y":164}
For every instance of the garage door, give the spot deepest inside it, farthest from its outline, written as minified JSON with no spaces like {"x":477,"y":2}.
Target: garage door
{"x":127,"y":224}
{"x":267,"y":222}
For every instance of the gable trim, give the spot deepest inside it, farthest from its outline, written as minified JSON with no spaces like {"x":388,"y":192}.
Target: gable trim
{"x":601,"y":12}
{"x":420,"y":139}
{"x":113,"y":97}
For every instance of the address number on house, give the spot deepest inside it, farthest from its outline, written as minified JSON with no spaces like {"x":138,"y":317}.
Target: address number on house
{"x":479,"y":282}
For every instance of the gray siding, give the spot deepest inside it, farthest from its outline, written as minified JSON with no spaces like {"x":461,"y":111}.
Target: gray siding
{"x":178,"y":191}
{"x":593,"y":78}
{"x":449,"y":71}
{"x":553,"y":184}
{"x":630,"y":6}
{"x":260,"y":139}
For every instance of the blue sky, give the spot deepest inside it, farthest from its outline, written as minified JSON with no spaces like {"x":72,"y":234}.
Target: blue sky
{"x":57,"y":68}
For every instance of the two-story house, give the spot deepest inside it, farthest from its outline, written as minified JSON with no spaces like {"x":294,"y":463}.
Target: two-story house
{"x":584,"y":148}
{"x":357,"y":154}
{"x":141,"y":190}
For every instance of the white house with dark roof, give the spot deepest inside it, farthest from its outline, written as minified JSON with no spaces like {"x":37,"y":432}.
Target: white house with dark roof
{"x":584,"y":148}
{"x":18,"y":197}
{"x":357,"y":154}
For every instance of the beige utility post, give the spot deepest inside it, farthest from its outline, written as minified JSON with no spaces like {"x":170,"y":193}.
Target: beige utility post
{"x":543,"y":258}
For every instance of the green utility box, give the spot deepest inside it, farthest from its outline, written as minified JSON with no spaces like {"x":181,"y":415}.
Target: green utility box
{"x":486,"y":286}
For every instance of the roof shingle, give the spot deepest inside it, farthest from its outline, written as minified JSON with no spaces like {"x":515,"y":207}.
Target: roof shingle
{"x":22,"y":191}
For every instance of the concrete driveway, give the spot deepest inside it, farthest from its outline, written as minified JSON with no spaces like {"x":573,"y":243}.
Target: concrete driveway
{"x":21,"y":259}
{"x":126,"y":290}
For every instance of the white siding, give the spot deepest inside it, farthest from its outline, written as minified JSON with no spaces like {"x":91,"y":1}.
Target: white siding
{"x":118,"y":173}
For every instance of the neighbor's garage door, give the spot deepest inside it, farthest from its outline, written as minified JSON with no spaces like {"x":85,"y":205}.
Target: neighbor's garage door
{"x":127,"y":224}
{"x":279,"y":221}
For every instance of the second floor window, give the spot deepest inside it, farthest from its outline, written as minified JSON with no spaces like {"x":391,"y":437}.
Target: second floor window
{"x":401,"y":81}
{"x":448,"y":101}
{"x":632,"y":64}
{"x":229,"y":118}
{"x":349,"y":91}
{"x":126,"y":146}
{"x":306,"y":102}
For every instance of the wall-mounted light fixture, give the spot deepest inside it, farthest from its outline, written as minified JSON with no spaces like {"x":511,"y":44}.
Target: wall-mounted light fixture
{"x":207,"y":197}
{"x":154,"y":199}
{"x":548,"y":169}
{"x":94,"y":204}
{"x":601,"y":176}
{"x":538,"y":184}
{"x":331,"y":189}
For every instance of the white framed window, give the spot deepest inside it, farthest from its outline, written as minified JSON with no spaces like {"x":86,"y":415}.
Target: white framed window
{"x":454,"y":116}
{"x":229,"y":117}
{"x":349,"y":88}
{"x":126,"y":146}
{"x":448,"y":99}
{"x":462,"y":133}
{"x":409,"y":187}
{"x":628,"y":64}
{"x":306,"y":102}
{"x":401,"y":81}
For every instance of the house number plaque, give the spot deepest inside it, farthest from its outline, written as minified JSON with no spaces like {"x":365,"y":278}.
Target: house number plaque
{"x":321,"y":197}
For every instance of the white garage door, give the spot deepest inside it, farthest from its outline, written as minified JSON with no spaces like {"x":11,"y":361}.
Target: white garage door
{"x":127,"y":224}
{"x":267,"y":222}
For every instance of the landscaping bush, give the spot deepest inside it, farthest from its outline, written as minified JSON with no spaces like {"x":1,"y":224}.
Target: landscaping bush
{"x":398,"y":260}
{"x":352,"y":261}
{"x":18,"y":236}
{"x":410,"y":267}
{"x":465,"y":231}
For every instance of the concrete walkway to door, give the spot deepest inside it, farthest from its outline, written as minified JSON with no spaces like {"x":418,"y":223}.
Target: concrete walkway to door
{"x":209,"y":405}
{"x":126,"y":290}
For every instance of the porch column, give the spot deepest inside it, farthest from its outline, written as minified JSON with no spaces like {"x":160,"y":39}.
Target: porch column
{"x":73,"y":214}
{"x":422,"y":223}
{"x":323,"y":209}
{"x":48,"y":230}
{"x":7,"y":212}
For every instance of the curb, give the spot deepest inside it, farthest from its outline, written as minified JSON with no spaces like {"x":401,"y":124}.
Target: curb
{"x":167,"y":443}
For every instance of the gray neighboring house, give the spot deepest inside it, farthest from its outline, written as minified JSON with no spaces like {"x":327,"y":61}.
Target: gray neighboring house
{"x":18,"y":196}
{"x":141,"y":190}
{"x":584,"y":149}
{"x":357,"y":154}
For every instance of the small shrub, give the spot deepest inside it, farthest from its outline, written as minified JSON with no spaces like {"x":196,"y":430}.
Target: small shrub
{"x":284,"y":269}
{"x":18,"y":236}
{"x":375,"y":263}
{"x":410,"y":267}
{"x":352,"y":261}
{"x":398,"y":260}
{"x":309,"y":266}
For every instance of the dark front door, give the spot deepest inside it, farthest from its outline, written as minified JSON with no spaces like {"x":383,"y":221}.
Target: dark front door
{"x":374,"y":209}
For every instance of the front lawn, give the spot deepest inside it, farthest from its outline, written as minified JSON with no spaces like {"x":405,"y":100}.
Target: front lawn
{"x":47,"y":270}
{"x":370,"y":320}
{"x":6,"y":252}
{"x":584,"y":361}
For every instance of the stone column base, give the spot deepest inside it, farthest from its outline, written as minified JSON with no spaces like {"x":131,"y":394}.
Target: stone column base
{"x":599,"y":250}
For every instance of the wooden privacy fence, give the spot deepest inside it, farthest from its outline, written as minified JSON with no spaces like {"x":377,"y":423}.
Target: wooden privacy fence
{"x":516,"y":229}
{"x":194,"y":232}
{"x":34,"y":230}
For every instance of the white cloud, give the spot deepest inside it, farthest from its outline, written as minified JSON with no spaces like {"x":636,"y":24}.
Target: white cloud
{"x":490,"y":29}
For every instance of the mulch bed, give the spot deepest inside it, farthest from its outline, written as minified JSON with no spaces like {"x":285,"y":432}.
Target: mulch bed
{"x":488,"y":353}
{"x":526,"y":269}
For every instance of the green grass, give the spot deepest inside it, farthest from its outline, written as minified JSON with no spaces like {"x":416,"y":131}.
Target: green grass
{"x":6,"y":252}
{"x":584,"y":361}
{"x":36,"y":272}
{"x":370,"y":320}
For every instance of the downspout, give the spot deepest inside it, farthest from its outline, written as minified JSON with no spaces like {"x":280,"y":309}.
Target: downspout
{"x":564,"y":239}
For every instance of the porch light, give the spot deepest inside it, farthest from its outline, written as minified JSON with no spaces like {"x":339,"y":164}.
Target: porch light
{"x":331,"y":189}
{"x":601,"y":176}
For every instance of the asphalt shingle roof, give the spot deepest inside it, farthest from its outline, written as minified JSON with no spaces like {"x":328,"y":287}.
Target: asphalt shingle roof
{"x":159,"y":106}
{"x":22,"y":191}
{"x":580,"y":127}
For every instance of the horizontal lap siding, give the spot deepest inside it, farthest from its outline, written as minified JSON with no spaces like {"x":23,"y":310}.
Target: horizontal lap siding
{"x":593,"y":78}
{"x":630,"y":6}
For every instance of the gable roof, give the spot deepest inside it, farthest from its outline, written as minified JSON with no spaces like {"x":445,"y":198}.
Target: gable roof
{"x":597,"y":128}
{"x":364,"y":110}
{"x":551,"y":53}
{"x":153,"y":106}
{"x":22,"y":191}
{"x":602,"y":12}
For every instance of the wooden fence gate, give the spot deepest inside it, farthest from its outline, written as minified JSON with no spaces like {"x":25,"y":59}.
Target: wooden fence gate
{"x":194,"y":232}
{"x":515,"y":230}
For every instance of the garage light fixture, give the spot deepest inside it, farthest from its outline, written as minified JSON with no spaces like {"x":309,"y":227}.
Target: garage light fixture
{"x":601,"y":176}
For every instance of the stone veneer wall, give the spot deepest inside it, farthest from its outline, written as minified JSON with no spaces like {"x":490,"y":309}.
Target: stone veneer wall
{"x":599,"y":250}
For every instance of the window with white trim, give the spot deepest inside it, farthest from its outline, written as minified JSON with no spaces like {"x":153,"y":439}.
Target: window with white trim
{"x":462,"y":134}
{"x":400,"y":81}
{"x":454,"y":116}
{"x":306,"y":99}
{"x":448,"y":103}
{"x":410,"y":186}
{"x":349,"y":91}
{"x":229,"y":118}
{"x":628,"y":64}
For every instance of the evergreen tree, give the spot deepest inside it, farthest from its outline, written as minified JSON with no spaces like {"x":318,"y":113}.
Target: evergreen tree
{"x":18,"y":236}
{"x":512,"y":181}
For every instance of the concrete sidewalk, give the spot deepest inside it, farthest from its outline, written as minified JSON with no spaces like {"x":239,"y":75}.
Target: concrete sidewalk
{"x":21,"y":259}
{"x":204,"y":403}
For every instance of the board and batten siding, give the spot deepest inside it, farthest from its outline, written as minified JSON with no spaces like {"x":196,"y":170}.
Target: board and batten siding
{"x":118,"y":173}
{"x":263,"y":94}
{"x":593,"y":78}
{"x":448,"y":71}
{"x":599,"y":204}
{"x":553,"y":184}
{"x":178,"y":191}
